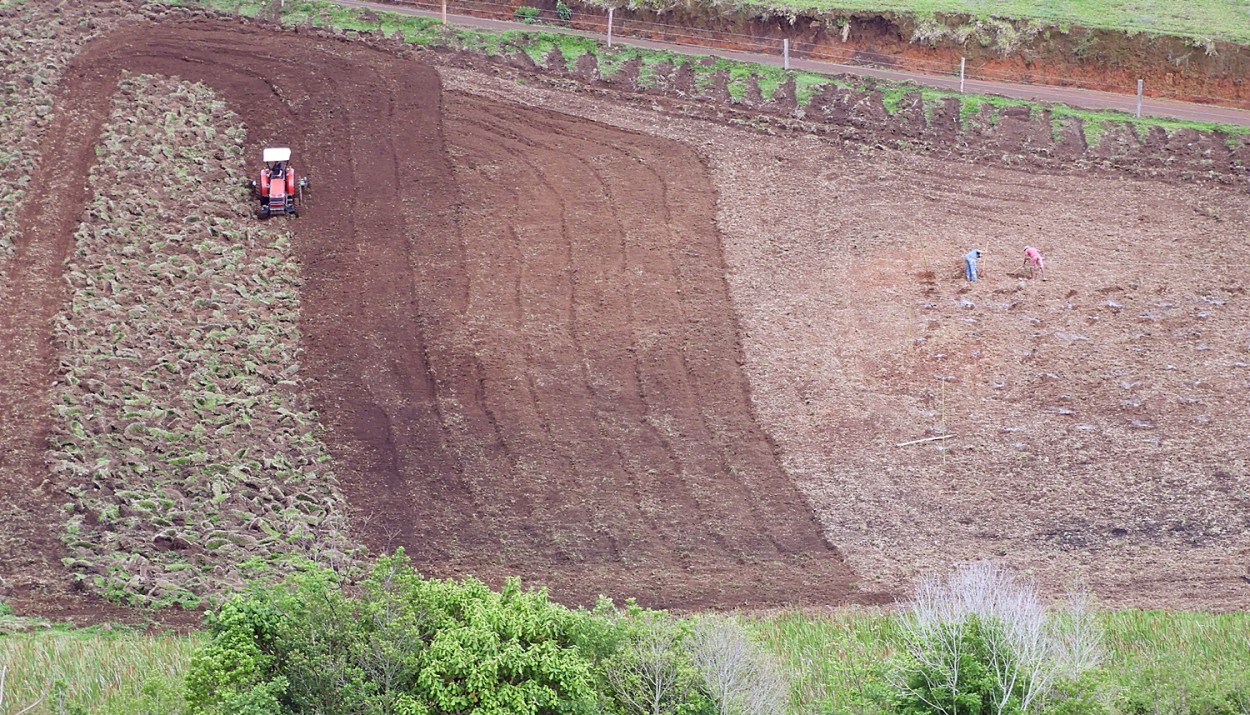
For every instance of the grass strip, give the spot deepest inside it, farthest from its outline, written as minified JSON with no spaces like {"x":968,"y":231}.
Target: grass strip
{"x":181,"y":431}
{"x":838,"y":661}
{"x":101,"y":670}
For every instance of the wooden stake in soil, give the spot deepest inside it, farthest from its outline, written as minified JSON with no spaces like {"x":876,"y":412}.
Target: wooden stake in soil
{"x":1141,"y":84}
{"x":926,"y":439}
{"x":943,"y":418}
{"x":610,"y":26}
{"x":962,"y":62}
{"x":785,"y":53}
{"x":444,"y":12}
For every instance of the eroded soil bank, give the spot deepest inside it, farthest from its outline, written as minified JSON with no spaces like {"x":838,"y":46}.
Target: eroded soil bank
{"x":1173,"y":67}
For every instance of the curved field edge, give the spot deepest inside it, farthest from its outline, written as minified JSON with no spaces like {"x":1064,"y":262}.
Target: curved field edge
{"x":181,"y":434}
{"x":36,"y":44}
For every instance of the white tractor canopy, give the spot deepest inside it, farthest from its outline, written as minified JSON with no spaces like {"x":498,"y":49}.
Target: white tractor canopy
{"x":276,"y":153}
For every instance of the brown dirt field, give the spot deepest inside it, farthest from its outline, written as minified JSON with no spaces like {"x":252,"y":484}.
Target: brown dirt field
{"x":1100,"y":415}
{"x":520,"y":339}
{"x":615,"y":350}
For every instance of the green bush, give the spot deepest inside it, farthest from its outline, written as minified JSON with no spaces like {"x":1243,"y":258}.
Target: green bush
{"x":564,"y":12}
{"x":404,"y":645}
{"x":527,"y":14}
{"x":649,"y":667}
{"x":5,"y":609}
{"x":982,"y":638}
{"x":958,"y":677}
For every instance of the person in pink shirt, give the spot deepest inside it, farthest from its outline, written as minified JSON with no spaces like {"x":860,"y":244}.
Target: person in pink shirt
{"x":1033,"y":260}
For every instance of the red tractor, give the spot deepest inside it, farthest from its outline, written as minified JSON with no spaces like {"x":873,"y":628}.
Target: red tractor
{"x":278,"y":191}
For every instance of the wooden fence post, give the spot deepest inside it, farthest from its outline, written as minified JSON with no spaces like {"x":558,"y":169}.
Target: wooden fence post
{"x":610,"y":26}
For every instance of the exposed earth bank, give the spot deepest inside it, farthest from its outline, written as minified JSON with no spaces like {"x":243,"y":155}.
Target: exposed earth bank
{"x":1183,"y":68}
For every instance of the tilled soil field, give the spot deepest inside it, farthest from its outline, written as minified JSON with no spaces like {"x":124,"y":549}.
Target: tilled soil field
{"x":516,"y":327}
{"x":616,"y":351}
{"x":1098,"y":416}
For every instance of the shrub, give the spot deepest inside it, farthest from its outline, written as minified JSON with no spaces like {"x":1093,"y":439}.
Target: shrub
{"x":983,"y":642}
{"x":564,"y":12}
{"x":651,"y":670}
{"x":404,"y":645}
{"x":739,"y":677}
{"x":955,"y":675}
{"x":527,"y":14}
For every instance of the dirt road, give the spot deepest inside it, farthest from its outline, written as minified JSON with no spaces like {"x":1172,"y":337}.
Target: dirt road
{"x":1081,"y":98}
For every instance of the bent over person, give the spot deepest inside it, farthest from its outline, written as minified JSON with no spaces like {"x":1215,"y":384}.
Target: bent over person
{"x":1033,"y":260}
{"x":971,"y":271}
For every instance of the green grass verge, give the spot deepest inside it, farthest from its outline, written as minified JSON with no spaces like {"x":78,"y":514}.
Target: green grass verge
{"x":1199,"y":20}
{"x":103,"y":671}
{"x":1155,"y":662}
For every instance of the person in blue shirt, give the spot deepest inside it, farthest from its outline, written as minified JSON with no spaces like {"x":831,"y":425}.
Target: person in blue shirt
{"x":970,"y":264}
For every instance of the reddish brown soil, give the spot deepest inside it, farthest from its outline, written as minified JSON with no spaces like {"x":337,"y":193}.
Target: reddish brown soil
{"x":1098,"y":416}
{"x":1172,"y":67}
{"x":519,"y":336}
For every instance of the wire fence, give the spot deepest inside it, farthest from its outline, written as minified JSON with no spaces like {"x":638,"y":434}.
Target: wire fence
{"x":804,"y":54}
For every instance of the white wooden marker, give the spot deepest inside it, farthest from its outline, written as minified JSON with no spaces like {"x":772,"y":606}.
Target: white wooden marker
{"x":1140,"y":86}
{"x":610,"y":26}
{"x":962,"y":62}
{"x":785,"y":53}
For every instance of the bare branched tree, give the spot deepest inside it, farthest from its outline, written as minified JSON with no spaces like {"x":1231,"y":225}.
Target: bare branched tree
{"x":1029,"y":649}
{"x":647,"y":675}
{"x":1079,"y":634}
{"x":740,"y":678}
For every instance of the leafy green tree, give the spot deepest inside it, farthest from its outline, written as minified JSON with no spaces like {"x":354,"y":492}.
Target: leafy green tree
{"x":235,"y":672}
{"x":955,"y":676}
{"x":651,"y":670}
{"x":404,"y":644}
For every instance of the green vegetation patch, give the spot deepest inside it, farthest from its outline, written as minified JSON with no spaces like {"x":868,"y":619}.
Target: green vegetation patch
{"x":400,"y":643}
{"x":1198,"y":19}
{"x":34,"y":50}
{"x":182,"y":436}
{"x":103,"y":671}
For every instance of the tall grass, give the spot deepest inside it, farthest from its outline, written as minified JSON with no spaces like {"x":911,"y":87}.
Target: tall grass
{"x":94,"y":670}
{"x":1163,"y":662}
{"x":1156,"y":663}
{"x":836,"y":660}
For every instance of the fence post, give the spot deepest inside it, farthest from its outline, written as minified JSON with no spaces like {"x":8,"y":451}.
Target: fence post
{"x":1140,"y":87}
{"x":610,"y":26}
{"x":444,"y":12}
{"x":963,"y":61}
{"x":785,"y":53}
